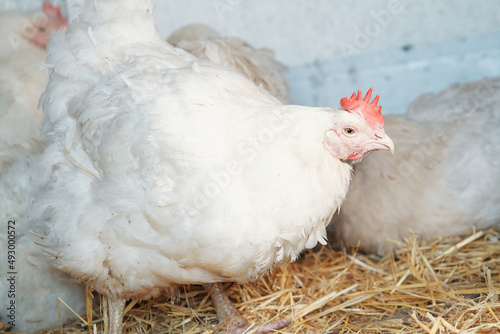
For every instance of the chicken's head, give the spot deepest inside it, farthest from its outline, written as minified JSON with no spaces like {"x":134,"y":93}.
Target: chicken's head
{"x":359,"y":130}
{"x":43,"y":23}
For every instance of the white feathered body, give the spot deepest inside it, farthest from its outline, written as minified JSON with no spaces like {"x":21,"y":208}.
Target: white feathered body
{"x":259,"y":65}
{"x":444,"y":175}
{"x":164,"y":169}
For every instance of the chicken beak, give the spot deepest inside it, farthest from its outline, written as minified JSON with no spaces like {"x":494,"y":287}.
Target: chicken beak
{"x":383,"y":142}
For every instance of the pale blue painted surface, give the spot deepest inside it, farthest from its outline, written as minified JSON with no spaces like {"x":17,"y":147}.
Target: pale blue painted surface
{"x":398,"y":76}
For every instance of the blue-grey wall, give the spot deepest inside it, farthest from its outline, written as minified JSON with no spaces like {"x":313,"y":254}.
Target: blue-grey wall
{"x":332,"y":47}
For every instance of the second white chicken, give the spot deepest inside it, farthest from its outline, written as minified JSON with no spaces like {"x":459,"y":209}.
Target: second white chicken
{"x":258,"y":65}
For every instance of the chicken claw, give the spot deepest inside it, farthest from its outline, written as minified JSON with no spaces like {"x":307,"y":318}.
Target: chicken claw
{"x":237,"y":324}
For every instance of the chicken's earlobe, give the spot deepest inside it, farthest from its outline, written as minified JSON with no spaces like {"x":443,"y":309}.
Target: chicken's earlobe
{"x":334,"y":150}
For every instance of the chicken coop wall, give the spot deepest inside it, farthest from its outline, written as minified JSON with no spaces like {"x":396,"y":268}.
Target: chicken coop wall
{"x":401,"y":48}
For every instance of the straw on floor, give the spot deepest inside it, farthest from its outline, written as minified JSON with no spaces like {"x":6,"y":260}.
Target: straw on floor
{"x":448,"y":286}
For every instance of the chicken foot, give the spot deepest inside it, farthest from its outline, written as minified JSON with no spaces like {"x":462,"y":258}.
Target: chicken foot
{"x":116,"y":306}
{"x":237,"y":324}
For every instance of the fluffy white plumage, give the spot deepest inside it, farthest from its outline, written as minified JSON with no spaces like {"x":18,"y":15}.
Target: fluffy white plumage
{"x":37,"y":283}
{"x":258,"y":65}
{"x":443,"y":178}
{"x":164,"y":169}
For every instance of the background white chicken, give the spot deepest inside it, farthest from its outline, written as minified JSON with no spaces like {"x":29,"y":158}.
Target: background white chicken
{"x":23,"y":37}
{"x":258,"y":65}
{"x":36,"y":284}
{"x":163,"y":169}
{"x":443,"y":178}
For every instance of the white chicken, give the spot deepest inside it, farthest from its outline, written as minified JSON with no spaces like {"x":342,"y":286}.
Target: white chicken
{"x":30,"y":285}
{"x":162,"y":169}
{"x":23,"y":37}
{"x":258,"y":65}
{"x":443,"y":179}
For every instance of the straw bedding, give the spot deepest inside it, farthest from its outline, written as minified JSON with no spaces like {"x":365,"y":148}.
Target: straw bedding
{"x":448,"y":286}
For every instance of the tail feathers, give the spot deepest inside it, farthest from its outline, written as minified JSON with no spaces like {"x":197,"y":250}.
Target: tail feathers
{"x":104,"y":34}
{"x":119,"y":22}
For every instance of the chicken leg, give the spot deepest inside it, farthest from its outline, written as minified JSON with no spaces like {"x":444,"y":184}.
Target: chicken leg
{"x":116,"y":307}
{"x":237,"y":324}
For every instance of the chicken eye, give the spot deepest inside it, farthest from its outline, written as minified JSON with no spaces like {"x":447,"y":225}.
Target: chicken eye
{"x":349,"y":131}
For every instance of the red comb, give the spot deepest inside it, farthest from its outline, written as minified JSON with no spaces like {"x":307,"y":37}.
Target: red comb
{"x":370,"y":111}
{"x":54,"y":11}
